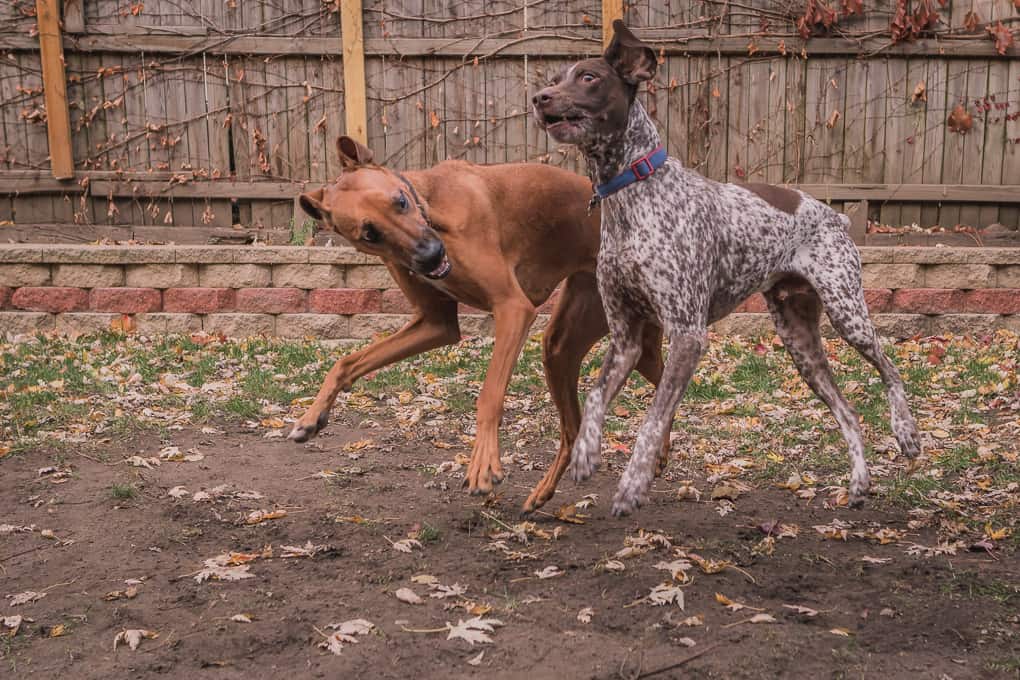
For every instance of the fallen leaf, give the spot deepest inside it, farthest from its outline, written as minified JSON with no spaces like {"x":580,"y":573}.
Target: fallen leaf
{"x":58,"y":630}
{"x":26,"y":597}
{"x":666,"y":593}
{"x":406,"y":545}
{"x":840,"y":631}
{"x":762,"y":618}
{"x":549,"y":572}
{"x":477,"y":659}
{"x":584,"y":616}
{"x":686,"y":642}
{"x":407,"y":595}
{"x":473,"y":630}
{"x":259,"y":516}
{"x":177,"y":492}
{"x":425,"y":579}
{"x":345,"y":632}
{"x":806,"y":611}
{"x":241,"y":618}
{"x":133,"y":637}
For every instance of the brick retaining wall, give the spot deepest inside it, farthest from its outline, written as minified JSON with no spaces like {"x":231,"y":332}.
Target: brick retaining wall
{"x":340,"y":294}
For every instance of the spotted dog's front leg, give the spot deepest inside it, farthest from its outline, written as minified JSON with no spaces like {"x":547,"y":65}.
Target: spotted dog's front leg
{"x":623,"y":353}
{"x":685,"y":352}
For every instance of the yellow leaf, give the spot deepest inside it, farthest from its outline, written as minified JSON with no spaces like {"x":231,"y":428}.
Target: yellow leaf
{"x":58,"y":630}
{"x":840,"y":631}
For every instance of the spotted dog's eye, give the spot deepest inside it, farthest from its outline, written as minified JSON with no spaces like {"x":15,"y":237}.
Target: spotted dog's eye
{"x":370,"y":234}
{"x":401,"y":202}
{"x":589,"y":78}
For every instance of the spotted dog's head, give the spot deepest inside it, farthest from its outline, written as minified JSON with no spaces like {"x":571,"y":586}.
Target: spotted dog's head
{"x":376,"y":211}
{"x":590,"y":101}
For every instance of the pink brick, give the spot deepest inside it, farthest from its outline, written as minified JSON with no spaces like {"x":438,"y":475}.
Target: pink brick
{"x":927,"y":300}
{"x":993,"y":301}
{"x":198,"y":300}
{"x":344,"y":301}
{"x":125,"y":300}
{"x":394,"y":302}
{"x":5,"y":296}
{"x":878,"y":299}
{"x":271,"y":300}
{"x":50,"y":299}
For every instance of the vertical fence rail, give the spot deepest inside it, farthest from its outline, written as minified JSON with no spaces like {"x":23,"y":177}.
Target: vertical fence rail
{"x":352,"y":36}
{"x":58,"y":124}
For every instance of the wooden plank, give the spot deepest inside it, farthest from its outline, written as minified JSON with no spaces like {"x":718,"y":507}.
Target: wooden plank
{"x":352,"y":39}
{"x":718,"y":115}
{"x":796,"y":119}
{"x":74,"y":16}
{"x":935,"y":135}
{"x":855,"y":116}
{"x":376,"y":132}
{"x":1010,"y":216}
{"x":611,"y":11}
{"x":118,"y":38}
{"x":135,"y":184}
{"x":896,"y":134}
{"x":954,"y":143}
{"x":336,"y":116}
{"x":757,"y":159}
{"x":775,"y":133}
{"x":678,"y":109}
{"x":995,"y":136}
{"x":973,"y":141}
{"x":58,"y":125}
{"x":913,"y":147}
{"x":737,"y":125}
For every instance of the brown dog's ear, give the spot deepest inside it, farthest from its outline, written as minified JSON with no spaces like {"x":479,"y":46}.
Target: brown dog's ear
{"x":311,"y":203}
{"x":352,"y":152}
{"x":632,"y":59}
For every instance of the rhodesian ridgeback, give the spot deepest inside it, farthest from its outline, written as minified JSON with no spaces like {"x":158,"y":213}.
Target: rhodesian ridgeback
{"x":498,"y":238}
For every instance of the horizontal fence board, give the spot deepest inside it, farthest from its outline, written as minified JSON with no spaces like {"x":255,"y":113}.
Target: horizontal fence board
{"x":532,"y":43}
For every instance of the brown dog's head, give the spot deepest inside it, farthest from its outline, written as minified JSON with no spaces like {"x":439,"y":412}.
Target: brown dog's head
{"x":591,"y":100}
{"x":378,"y":213}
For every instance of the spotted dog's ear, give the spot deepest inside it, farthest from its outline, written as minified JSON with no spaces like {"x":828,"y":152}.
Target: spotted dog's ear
{"x":311,"y":203}
{"x":632,"y":59}
{"x":352,"y":152}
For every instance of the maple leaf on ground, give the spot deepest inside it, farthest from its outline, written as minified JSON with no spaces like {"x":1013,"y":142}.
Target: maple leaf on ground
{"x":666,"y":593}
{"x":439,"y":591}
{"x":677,"y":569}
{"x":133,"y":637}
{"x":473,"y":630}
{"x":241,"y":618}
{"x":584,"y":616}
{"x":549,"y":572}
{"x":345,"y":632}
{"x":12,"y":623}
{"x":407,"y":595}
{"x":406,"y":545}
{"x":805,"y":611}
{"x":477,"y":659}
{"x":26,"y":597}
{"x":307,"y":550}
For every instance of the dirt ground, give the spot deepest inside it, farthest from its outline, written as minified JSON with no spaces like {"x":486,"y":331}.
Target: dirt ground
{"x":897,"y":616}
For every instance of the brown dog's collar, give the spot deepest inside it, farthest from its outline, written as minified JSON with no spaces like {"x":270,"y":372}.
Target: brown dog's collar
{"x":414,"y":196}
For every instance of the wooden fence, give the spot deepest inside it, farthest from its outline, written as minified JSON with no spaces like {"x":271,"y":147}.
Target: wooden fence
{"x":199,"y":120}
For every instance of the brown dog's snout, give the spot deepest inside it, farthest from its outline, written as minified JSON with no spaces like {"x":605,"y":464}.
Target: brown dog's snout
{"x":543,"y":97}
{"x":429,"y":253}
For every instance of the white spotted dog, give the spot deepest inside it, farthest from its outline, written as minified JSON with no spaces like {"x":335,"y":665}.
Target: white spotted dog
{"x":682,"y":251}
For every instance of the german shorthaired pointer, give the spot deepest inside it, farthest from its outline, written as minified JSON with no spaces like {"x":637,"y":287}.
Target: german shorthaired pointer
{"x":682,"y":251}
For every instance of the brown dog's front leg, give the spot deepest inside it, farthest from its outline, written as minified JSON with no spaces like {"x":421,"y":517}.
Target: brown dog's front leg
{"x":513,"y":319}
{"x":433,"y":326}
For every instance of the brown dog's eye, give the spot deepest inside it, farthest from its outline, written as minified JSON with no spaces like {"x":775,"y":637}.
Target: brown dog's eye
{"x":370,"y":234}
{"x":401,"y":202}
{"x":589,"y":78}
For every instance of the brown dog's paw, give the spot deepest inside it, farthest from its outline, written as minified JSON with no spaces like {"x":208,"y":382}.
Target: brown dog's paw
{"x":302,"y":432}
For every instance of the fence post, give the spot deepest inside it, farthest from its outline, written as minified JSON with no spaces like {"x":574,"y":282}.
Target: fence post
{"x":74,"y":16}
{"x":611,"y":11}
{"x":352,"y":37}
{"x":58,"y":123}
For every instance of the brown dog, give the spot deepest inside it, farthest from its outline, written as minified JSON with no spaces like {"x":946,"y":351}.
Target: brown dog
{"x":498,"y":238}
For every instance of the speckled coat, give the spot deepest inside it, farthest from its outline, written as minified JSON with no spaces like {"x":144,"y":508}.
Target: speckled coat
{"x":684,"y":251}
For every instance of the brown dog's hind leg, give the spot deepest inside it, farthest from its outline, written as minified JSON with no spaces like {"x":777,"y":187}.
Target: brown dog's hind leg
{"x":577,"y":323}
{"x":513,"y":320}
{"x":433,"y":326}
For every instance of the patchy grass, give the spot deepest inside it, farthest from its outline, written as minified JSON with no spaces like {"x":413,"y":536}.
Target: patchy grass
{"x":745,"y":400}
{"x":123,"y":492}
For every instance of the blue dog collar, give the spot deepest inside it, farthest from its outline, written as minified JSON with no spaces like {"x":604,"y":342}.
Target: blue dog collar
{"x":639,"y":170}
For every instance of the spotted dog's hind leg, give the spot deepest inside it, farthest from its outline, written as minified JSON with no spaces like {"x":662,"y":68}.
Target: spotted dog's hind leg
{"x":685,"y":352}
{"x":796,"y":309}
{"x":838,"y":283}
{"x":623,"y":353}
